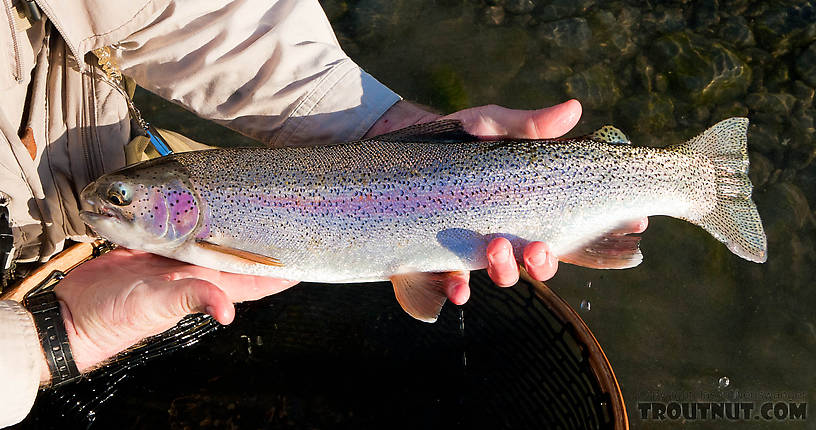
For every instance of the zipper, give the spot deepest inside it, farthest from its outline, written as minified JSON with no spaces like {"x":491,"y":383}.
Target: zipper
{"x":52,"y":18}
{"x":18,"y":65}
{"x":88,"y":129}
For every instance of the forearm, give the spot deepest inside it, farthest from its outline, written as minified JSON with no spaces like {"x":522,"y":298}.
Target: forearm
{"x":22,"y":364}
{"x":279,"y":77}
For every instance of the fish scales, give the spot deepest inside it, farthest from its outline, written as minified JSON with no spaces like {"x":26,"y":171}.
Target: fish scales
{"x":403,"y":203}
{"x":343,"y":213}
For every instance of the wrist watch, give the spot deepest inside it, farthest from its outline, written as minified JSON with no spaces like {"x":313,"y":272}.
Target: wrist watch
{"x":43,"y":304}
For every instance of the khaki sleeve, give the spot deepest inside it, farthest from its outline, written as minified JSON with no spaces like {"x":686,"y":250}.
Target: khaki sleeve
{"x":20,"y":356}
{"x":272,"y":70}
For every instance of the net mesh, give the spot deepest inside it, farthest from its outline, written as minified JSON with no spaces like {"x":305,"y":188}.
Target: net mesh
{"x":346,"y":356}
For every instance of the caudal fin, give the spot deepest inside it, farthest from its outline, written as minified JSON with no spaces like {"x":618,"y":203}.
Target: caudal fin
{"x":734,"y":219}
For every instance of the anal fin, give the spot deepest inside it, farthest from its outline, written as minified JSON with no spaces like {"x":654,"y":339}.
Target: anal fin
{"x":420,"y":294}
{"x":247,"y":256}
{"x":610,"y":251}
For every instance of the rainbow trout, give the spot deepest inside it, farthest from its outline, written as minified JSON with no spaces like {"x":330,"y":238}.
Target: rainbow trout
{"x":424,"y":199}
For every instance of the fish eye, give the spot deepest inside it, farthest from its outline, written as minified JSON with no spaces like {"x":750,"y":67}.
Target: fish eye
{"x":119,"y":195}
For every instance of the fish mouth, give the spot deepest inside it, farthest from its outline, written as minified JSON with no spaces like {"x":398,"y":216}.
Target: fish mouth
{"x":105,"y":223}
{"x":93,"y":219}
{"x":97,"y":206}
{"x":100,"y":213}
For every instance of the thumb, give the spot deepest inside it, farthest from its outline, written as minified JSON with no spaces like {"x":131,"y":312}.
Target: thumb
{"x":193,"y":295}
{"x":546,"y":123}
{"x":555,"y":121}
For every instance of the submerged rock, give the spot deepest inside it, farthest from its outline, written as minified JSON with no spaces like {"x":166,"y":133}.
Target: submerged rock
{"x":729,"y":110}
{"x":663,"y":20}
{"x":554,"y":72}
{"x":803,"y":146}
{"x":646,"y":113}
{"x":773,"y":103}
{"x":782,"y":29}
{"x":804,"y":94}
{"x":596,"y":87}
{"x":661,"y":83}
{"x":802,"y":126}
{"x":785,"y":208}
{"x":705,"y":72}
{"x":737,"y":7}
{"x":806,"y":65}
{"x":806,"y":180}
{"x":760,"y":168}
{"x":762,"y":138}
{"x":700,"y":113}
{"x":735,"y":30}
{"x":756,"y":57}
{"x":559,"y":9}
{"x":706,"y":14}
{"x":493,"y":15}
{"x":374,"y":18}
{"x":334,"y":9}
{"x":613,"y":33}
{"x":524,"y":20}
{"x":519,"y":7}
{"x":645,"y":72}
{"x":567,"y":38}
{"x":448,"y":89}
{"x":776,"y":76}
{"x":802,"y":156}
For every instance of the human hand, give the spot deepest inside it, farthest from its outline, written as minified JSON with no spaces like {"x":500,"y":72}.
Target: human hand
{"x":492,"y":122}
{"x":114,"y":301}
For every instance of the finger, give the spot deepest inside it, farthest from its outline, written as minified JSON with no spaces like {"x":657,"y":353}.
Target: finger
{"x":554,"y":121}
{"x":238,"y":287}
{"x":197,"y":295}
{"x":501,"y":263}
{"x":497,"y":121}
{"x":636,"y":226}
{"x":456,"y":286}
{"x":539,"y":261}
{"x":242,"y":288}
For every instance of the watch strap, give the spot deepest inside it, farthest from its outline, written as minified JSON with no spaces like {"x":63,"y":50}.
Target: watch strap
{"x":45,"y":308}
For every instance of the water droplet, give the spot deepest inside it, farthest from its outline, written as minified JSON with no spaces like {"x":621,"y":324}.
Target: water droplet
{"x":723,"y":382}
{"x":585,"y":305}
{"x":589,"y":284}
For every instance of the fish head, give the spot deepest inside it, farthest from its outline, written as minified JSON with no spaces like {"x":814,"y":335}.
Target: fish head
{"x":149,"y":208}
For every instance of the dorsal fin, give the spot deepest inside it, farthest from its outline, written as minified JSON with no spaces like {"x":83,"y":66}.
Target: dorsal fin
{"x":442,"y":131}
{"x":610,"y":134}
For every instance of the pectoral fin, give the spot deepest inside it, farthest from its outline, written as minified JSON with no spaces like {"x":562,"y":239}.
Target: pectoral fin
{"x":610,"y":251}
{"x":246,"y":256}
{"x":420,"y":294}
